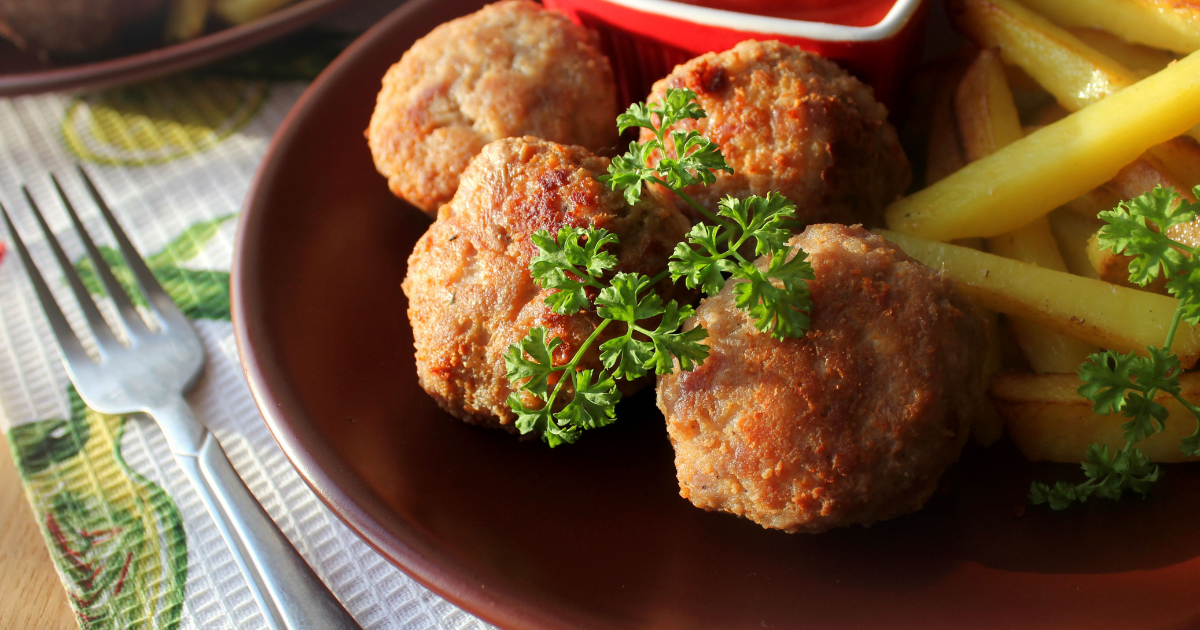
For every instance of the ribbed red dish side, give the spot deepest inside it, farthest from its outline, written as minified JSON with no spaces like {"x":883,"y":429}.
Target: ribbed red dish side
{"x":645,"y":47}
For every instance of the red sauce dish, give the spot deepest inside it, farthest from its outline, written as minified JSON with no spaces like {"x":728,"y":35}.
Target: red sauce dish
{"x":876,"y":40}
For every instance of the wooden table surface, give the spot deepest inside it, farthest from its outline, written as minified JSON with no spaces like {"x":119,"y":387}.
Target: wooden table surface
{"x":31,"y":595}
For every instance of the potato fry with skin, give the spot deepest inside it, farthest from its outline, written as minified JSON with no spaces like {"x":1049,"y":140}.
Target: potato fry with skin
{"x":1166,"y":24}
{"x":943,"y":154}
{"x":987,"y":121}
{"x":1050,"y":422}
{"x":1095,"y":201}
{"x":185,"y":19}
{"x":1100,"y":313}
{"x":1181,"y":157}
{"x":242,"y":11}
{"x":1046,"y":350}
{"x":1072,"y":232}
{"x":1143,"y":175}
{"x":984,"y":108}
{"x":1143,"y":60}
{"x":1075,"y":73}
{"x":1057,"y":163}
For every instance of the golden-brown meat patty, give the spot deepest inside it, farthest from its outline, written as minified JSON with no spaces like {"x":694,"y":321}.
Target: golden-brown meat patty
{"x":792,"y":122}
{"x":509,"y":69}
{"x":855,"y":422}
{"x":470,"y":292}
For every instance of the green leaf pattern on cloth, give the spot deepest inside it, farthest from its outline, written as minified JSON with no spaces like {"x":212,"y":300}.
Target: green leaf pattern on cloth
{"x":117,"y":538}
{"x":200,"y":294}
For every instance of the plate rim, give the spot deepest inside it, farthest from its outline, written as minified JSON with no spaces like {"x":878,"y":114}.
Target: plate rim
{"x":171,"y":58}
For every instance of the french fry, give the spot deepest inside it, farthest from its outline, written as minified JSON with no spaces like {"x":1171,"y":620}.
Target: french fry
{"x":1046,"y":350}
{"x":1094,"y":201}
{"x":1114,"y":268}
{"x":988,"y":120}
{"x":1072,"y":232}
{"x":1158,"y":23}
{"x":1181,"y":157}
{"x":1100,"y":313}
{"x":1049,"y":421}
{"x":1075,"y":73}
{"x":242,"y":11}
{"x":1143,"y":175}
{"x":1057,"y":163}
{"x":1143,"y":60}
{"x":984,"y":108}
{"x":185,"y":19}
{"x":943,"y":154}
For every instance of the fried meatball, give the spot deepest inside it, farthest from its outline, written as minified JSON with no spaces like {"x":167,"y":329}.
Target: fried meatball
{"x":853,"y":423}
{"x":510,"y":69}
{"x":792,"y":122}
{"x":470,"y":292}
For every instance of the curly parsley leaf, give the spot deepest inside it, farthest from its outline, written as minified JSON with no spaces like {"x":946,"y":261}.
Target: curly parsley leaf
{"x":620,"y":300}
{"x":697,"y":160}
{"x":594,"y":403}
{"x":760,"y":218}
{"x":570,"y":263}
{"x":780,"y":311}
{"x":677,"y":104}
{"x":704,"y":267}
{"x":638,"y":115}
{"x":1138,"y":228}
{"x":693,"y":158}
{"x":540,"y":364}
{"x":1130,"y":383}
{"x":570,"y":267}
{"x":628,"y":172}
{"x":670,"y":345}
{"x":627,"y":356}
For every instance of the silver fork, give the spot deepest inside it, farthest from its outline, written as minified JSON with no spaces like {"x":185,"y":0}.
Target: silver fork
{"x":150,"y":375}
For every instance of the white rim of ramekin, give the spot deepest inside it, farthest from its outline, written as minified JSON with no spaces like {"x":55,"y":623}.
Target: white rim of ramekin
{"x":891,"y":23}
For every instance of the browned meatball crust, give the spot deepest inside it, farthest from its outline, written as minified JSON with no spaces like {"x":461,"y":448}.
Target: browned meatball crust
{"x":793,"y":122}
{"x":470,"y":293}
{"x":510,"y":69}
{"x":855,"y":422}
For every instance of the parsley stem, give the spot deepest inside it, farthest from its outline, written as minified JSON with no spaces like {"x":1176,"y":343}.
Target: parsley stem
{"x":1174,"y":327}
{"x":691,"y":202}
{"x":659,"y":278}
{"x":570,"y":365}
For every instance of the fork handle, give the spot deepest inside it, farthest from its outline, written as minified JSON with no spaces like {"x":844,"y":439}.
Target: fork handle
{"x":287,"y":590}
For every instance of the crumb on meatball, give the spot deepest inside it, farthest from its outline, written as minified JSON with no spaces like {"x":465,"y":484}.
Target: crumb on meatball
{"x":853,"y":423}
{"x":470,"y":291}
{"x":510,"y":69}
{"x":796,"y":123}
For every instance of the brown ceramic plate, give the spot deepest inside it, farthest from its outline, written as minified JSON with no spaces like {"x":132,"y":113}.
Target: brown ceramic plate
{"x":21,"y":73}
{"x":595,"y":535}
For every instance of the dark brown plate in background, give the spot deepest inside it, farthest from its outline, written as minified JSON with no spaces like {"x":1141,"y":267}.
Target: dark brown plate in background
{"x":595,"y":535}
{"x":22,"y":73}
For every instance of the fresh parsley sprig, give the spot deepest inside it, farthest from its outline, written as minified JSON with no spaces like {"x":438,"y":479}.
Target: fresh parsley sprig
{"x":696,"y":158}
{"x":713,"y":251}
{"x":572,"y":267}
{"x":1129,"y":383}
{"x":575,"y":264}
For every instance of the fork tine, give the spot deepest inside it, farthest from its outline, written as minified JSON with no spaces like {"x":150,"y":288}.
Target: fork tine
{"x":72,"y":350}
{"x":129,"y":315}
{"x":162,"y":304}
{"x":104,"y":335}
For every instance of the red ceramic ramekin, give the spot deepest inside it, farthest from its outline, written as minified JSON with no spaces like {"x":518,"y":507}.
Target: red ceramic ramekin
{"x":646,"y":39}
